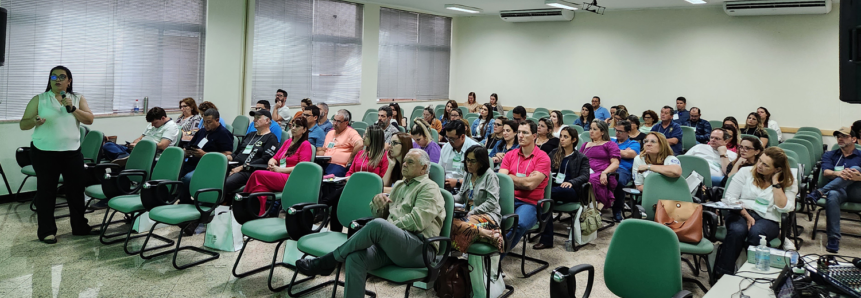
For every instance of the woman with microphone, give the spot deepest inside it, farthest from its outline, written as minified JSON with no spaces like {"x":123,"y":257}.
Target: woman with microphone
{"x":56,"y":149}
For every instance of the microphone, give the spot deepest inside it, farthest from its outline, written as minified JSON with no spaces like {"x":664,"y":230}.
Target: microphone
{"x":68,"y":108}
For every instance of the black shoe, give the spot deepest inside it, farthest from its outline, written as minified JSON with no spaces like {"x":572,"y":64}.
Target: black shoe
{"x":91,"y":232}
{"x":540,"y":246}
{"x":189,"y":229}
{"x":101,"y":204}
{"x":317,"y":266}
{"x":617,"y":216}
{"x":50,"y":239}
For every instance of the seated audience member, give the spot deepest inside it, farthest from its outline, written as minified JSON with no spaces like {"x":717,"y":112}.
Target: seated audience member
{"x":190,"y":118}
{"x":396,"y":114}
{"x":306,"y":102}
{"x":446,"y":114}
{"x":704,"y":128}
{"x":569,"y":170}
{"x":472,"y":105}
{"x":160,"y":130}
{"x":768,"y":122}
{"x":294,"y":150}
{"x":603,"y":159}
{"x":401,"y":144}
{"x":323,"y":120}
{"x":495,"y":105}
{"x":671,"y":130}
{"x":257,"y":148}
{"x":342,"y":143}
{"x":429,"y":117}
{"x":628,"y":150}
{"x":557,"y":119}
{"x":213,"y":138}
{"x":496,"y":135}
{"x":609,"y":120}
{"x":385,"y":122}
{"x":509,"y":142}
{"x":682,"y":115}
{"x":749,"y":151}
{"x":371,"y":159}
{"x":656,"y":157}
{"x":423,"y":139}
{"x":601,"y":113}
{"x":529,"y":168}
{"x":203,"y":107}
{"x":586,"y":116}
{"x":518,"y":114}
{"x":635,"y":133}
{"x":414,"y":211}
{"x":282,"y":114}
{"x":466,"y":127}
{"x":842,"y":167}
{"x":732,"y":143}
{"x":649,"y":120}
{"x":753,"y":127}
{"x":765,"y":191}
{"x":618,"y":115}
{"x":545,"y":139}
{"x":622,"y":107}
{"x":452,"y":153}
{"x":482,"y":127}
{"x":316,"y":136}
{"x":455,"y":115}
{"x":480,"y":196}
{"x":715,"y":154}
{"x":274,"y":127}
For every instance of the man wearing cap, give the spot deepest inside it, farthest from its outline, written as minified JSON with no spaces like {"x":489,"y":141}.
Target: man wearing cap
{"x":274,"y":127}
{"x":256,"y":149}
{"x":842,"y":166}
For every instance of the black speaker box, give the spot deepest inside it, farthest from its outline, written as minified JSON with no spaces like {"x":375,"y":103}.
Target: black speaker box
{"x":850,"y":51}
{"x":3,"y":17}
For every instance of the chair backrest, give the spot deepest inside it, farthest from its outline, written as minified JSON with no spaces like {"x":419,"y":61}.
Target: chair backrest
{"x":236,"y":142}
{"x":83,"y":131}
{"x":360,"y":131}
{"x":449,"y":216}
{"x":660,"y":187}
{"x":643,"y":244}
{"x":568,"y":112}
{"x":689,"y":137}
{"x":811,"y":150}
{"x":716,"y":123}
{"x":535,"y":120}
{"x":463,"y":110}
{"x":313,"y":153}
{"x":790,"y":153}
{"x":813,"y":129}
{"x":141,"y":158}
{"x":803,"y":154}
{"x":209,"y":174}
{"x":371,"y":118}
{"x":437,"y":174}
{"x":92,"y":145}
{"x":578,"y":128}
{"x":472,"y":119}
{"x":541,"y":110}
{"x":584,"y":137}
{"x":692,"y":163}
{"x":539,"y":115}
{"x":435,"y":135}
{"x":438,"y":111}
{"x":357,"y":195}
{"x":496,"y":114}
{"x":357,"y":125}
{"x":816,"y":141}
{"x":240,"y":125}
{"x":749,"y":135}
{"x":772,"y":137}
{"x":467,"y":115}
{"x":418,"y":112}
{"x":612,"y":132}
{"x":509,"y":114}
{"x":506,"y":198}
{"x":728,"y":180}
{"x":371,"y":111}
{"x":168,"y":165}
{"x":230,"y":128}
{"x":303,"y":185}
{"x":569,"y":119}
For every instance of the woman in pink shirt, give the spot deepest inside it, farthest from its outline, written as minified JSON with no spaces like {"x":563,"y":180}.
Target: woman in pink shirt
{"x":281,"y":165}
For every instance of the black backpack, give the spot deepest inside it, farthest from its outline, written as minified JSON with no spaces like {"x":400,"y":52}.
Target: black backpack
{"x":453,"y":280}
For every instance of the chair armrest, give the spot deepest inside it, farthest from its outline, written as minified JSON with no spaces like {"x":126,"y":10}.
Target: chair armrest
{"x":683,"y":294}
{"x":710,"y":221}
{"x":509,"y":236}
{"x":246,"y":199}
{"x":205,"y":216}
{"x":164,"y":184}
{"x":445,"y":245}
{"x":717,"y":193}
{"x":640,"y":212}
{"x":577,"y":269}
{"x":307,"y":210}
{"x":156,"y":193}
{"x":785,"y":225}
{"x":126,"y":174}
{"x":360,"y":223}
{"x":544,"y":208}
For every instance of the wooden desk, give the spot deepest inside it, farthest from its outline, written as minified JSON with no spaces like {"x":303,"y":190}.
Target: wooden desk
{"x":728,"y":285}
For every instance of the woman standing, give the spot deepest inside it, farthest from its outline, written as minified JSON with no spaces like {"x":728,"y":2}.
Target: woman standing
{"x":483,"y":126}
{"x":765,"y":115}
{"x":657,"y":157}
{"x":471,"y":105}
{"x":507,"y":143}
{"x":557,"y":119}
{"x":754,"y":127}
{"x":423,"y":139}
{"x":495,"y":106}
{"x":190,"y":119}
{"x":587,"y":114}
{"x":56,"y":150}
{"x":294,"y":150}
{"x":496,"y":134}
{"x":545,"y":139}
{"x":604,"y":157}
{"x":569,"y":170}
{"x":401,"y":144}
{"x":479,"y":195}
{"x":649,"y":120}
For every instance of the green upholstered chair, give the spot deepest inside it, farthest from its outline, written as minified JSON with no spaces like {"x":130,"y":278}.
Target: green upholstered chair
{"x":509,"y":223}
{"x":692,"y":163}
{"x":851,"y":205}
{"x":568,"y":112}
{"x":112,"y":185}
{"x":496,"y":114}
{"x":240,"y":126}
{"x":229,"y":127}
{"x":435,"y":135}
{"x":689,"y":137}
{"x":569,"y":119}
{"x":641,"y":244}
{"x":437,"y":174}
{"x":539,"y":115}
{"x":541,"y":110}
{"x":166,"y":169}
{"x":206,"y":187}
{"x":584,"y":138}
{"x":659,"y":187}
{"x":578,"y":128}
{"x":544,"y":208}
{"x":509,"y":114}
{"x":418,"y":112}
{"x":571,"y":209}
{"x":814,"y":154}
{"x":428,"y":273}
{"x":370,"y":118}
{"x":716,"y":123}
{"x":535,"y":120}
{"x":815,"y":140}
{"x":804,"y":160}
{"x":463,"y":110}
{"x":471,"y":115}
{"x":471,"y":119}
{"x":811,"y":129}
{"x":749,"y":135}
{"x":438,"y":111}
{"x":352,"y":206}
{"x":302,"y":187}
{"x":772,"y":137}
{"x":357,"y":125}
{"x":360,"y":131}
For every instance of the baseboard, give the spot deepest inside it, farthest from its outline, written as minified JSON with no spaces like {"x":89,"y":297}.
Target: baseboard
{"x":11,"y":198}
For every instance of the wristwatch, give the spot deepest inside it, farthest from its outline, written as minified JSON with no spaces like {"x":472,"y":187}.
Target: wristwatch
{"x":649,"y":168}
{"x":723,"y":156}
{"x":777,"y":186}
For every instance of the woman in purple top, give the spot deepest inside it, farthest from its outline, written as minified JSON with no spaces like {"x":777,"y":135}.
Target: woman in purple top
{"x":424,"y":140}
{"x":604,"y":159}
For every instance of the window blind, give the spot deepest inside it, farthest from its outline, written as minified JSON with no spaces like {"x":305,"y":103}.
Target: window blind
{"x":117,"y":50}
{"x":415,"y":50}
{"x":310,"y":48}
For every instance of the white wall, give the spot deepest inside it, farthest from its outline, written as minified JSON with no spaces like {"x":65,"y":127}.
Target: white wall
{"x":645,"y":59}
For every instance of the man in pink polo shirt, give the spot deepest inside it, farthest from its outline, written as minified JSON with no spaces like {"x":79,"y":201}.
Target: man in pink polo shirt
{"x":529,"y":168}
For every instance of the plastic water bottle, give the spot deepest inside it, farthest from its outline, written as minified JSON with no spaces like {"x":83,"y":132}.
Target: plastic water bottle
{"x":137,"y":106}
{"x":763,"y":255}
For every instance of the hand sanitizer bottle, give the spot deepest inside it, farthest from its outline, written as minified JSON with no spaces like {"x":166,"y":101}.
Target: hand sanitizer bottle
{"x":763,"y":255}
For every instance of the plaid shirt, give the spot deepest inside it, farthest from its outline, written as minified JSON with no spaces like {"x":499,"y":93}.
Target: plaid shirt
{"x":704,"y":130}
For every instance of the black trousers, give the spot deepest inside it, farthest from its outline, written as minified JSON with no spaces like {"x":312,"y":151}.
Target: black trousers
{"x":330,"y":194}
{"x":49,"y":165}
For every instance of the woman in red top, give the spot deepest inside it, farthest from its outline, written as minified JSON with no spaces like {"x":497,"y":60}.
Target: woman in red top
{"x":281,"y":165}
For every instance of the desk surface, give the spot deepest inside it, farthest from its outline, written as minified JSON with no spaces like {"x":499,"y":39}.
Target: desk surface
{"x":728,"y":285}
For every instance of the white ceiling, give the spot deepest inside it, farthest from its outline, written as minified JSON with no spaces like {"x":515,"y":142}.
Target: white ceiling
{"x":494,"y":6}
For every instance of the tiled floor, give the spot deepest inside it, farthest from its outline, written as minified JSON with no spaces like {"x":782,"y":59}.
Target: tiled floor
{"x":81,"y":266}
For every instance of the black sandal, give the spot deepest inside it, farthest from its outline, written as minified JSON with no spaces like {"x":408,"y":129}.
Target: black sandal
{"x":50,"y":239}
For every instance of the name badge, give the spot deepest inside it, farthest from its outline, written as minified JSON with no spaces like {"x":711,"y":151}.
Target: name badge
{"x":591,"y":172}
{"x":838,"y":168}
{"x":283,"y":162}
{"x":202,"y":143}
{"x":330,"y":145}
{"x":676,"y":117}
{"x":521,"y":175}
{"x":761,"y":205}
{"x":247,"y":149}
{"x":560,"y":178}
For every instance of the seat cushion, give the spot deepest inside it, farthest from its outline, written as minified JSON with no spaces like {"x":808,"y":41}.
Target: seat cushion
{"x":846,"y":206}
{"x":175,"y":214}
{"x":127,"y":204}
{"x":481,"y":249}
{"x":95,"y":191}
{"x":566,"y":207}
{"x":319,"y":244}
{"x":266,"y":229}
{"x":703,"y":248}
{"x":400,"y":275}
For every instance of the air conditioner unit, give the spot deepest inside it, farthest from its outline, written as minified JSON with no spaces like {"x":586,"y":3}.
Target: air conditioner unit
{"x":776,"y":7}
{"x":537,"y":15}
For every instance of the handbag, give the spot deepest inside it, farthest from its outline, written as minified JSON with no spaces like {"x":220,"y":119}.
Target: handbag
{"x":590,"y":218}
{"x":684,"y":218}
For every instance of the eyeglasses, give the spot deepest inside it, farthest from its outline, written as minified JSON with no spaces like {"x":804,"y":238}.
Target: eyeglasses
{"x":296,"y":125}
{"x":497,"y":124}
{"x":257,"y":109}
{"x":647,"y":117}
{"x":336,"y":121}
{"x":308,"y":115}
{"x":650,"y":141}
{"x":472,"y":160}
{"x":450,"y":140}
{"x":394,"y":143}
{"x":745,"y":148}
{"x":59,"y":78}
{"x":183,"y":106}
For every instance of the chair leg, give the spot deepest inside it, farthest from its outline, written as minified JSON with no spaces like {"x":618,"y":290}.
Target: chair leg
{"x":709,"y":270}
{"x":407,"y":293}
{"x":694,"y":268}
{"x":212,"y":255}
{"x":129,"y":237}
{"x":815,"y":224}
{"x":274,"y":264}
{"x":697,"y":282}
{"x":523,"y":258}
{"x":311,"y":289}
{"x":17,"y":193}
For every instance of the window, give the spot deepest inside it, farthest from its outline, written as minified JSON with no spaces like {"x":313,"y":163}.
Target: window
{"x":117,"y":50}
{"x":310,"y":48}
{"x":415,"y":50}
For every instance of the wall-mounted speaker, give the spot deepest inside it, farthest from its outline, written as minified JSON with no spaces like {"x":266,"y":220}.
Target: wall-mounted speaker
{"x":3,"y":17}
{"x":850,"y":51}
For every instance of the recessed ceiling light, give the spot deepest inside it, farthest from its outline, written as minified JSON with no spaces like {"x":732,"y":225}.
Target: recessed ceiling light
{"x":561,"y":4}
{"x":696,"y":1}
{"x":462,"y":8}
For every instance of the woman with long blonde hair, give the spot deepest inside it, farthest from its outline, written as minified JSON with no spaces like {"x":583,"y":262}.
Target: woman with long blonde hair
{"x":656,"y":157}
